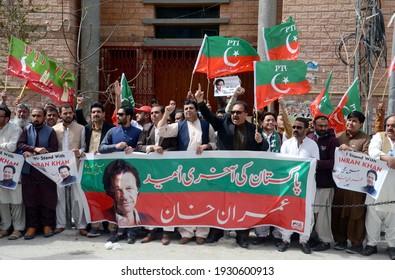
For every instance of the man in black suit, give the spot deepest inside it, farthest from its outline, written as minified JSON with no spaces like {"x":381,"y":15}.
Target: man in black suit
{"x":149,"y":141}
{"x":96,"y":129}
{"x":234,"y":133}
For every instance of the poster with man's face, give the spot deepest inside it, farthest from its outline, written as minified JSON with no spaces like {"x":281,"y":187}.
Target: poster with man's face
{"x":60,"y":167}
{"x":10,"y":169}
{"x":359,"y":172}
{"x":225,"y":86}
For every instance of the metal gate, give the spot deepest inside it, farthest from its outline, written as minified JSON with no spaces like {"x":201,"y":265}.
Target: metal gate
{"x":161,"y":72}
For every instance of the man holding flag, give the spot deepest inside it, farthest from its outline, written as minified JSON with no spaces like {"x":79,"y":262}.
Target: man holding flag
{"x":234,"y":133}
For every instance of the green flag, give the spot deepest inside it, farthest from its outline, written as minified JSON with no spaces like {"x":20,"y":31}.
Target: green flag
{"x":349,"y":102}
{"x":322,"y":105}
{"x":126,"y":95}
{"x":41,"y":73}
{"x":281,"y":41}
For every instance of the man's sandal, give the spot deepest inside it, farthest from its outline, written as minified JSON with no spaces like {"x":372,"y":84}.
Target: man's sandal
{"x":15,"y":235}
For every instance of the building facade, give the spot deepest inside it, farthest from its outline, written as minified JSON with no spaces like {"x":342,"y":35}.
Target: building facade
{"x":156,"y":42}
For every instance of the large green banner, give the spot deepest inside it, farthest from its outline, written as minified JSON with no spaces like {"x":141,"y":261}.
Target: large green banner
{"x":224,"y":189}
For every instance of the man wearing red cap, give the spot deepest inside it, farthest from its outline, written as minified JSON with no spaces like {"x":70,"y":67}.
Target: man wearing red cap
{"x":143,"y":115}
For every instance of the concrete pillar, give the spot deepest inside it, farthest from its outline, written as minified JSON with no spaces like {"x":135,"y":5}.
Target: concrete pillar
{"x":267,"y":17}
{"x":391,"y":93}
{"x":90,"y":41}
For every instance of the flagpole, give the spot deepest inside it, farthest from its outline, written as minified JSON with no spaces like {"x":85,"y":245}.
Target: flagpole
{"x":18,"y":99}
{"x":385,"y":87}
{"x":6,"y":81}
{"x":256,"y":120}
{"x":190,"y":85}
{"x":380,"y":80}
{"x":208,"y":84}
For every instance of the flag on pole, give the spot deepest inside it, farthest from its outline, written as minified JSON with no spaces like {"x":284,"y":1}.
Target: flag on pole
{"x":281,"y":41}
{"x":220,"y":56}
{"x":349,"y":102}
{"x":275,"y":78}
{"x":42,"y":74}
{"x":322,"y":105}
{"x":126,"y":94}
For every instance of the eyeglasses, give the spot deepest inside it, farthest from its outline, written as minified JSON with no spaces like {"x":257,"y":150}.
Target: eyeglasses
{"x":121,"y":114}
{"x":237,"y":112}
{"x":297,"y":127}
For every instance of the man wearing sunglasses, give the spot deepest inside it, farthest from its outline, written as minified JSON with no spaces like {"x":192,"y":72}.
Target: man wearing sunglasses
{"x":234,"y":133}
{"x":299,"y":145}
{"x":121,"y":138}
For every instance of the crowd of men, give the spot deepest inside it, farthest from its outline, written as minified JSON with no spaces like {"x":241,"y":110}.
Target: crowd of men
{"x":37,"y":205}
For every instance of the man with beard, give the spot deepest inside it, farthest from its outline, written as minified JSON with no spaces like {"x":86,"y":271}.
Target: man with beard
{"x":349,"y":222}
{"x":122,"y":138}
{"x":234,"y":132}
{"x":52,"y":114}
{"x":22,"y":115}
{"x":150,"y":141}
{"x":327,"y":143}
{"x":299,"y":145}
{"x":71,"y":137}
{"x":143,"y":115}
{"x":12,"y":210}
{"x":39,"y":192}
{"x":195,"y":135}
{"x":382,"y":216}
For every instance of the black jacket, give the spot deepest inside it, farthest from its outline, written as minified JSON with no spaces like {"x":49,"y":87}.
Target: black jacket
{"x":147,"y":137}
{"x":327,"y":146}
{"x":226,"y":131}
{"x":88,"y":128}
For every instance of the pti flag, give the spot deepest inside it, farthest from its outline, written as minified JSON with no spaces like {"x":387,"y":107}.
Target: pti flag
{"x":281,"y":41}
{"x":279,"y":77}
{"x":322,"y":105}
{"x":42,"y":74}
{"x":349,"y":102}
{"x":220,"y":56}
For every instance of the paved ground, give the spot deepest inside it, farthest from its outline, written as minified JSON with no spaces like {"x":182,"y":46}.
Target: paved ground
{"x":69,"y":245}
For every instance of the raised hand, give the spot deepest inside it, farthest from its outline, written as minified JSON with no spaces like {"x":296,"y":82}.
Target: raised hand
{"x":199,"y":94}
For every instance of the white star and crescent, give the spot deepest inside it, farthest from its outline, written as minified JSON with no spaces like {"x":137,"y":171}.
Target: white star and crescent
{"x":273,"y":84}
{"x":289,"y":48}
{"x":226,"y":61}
